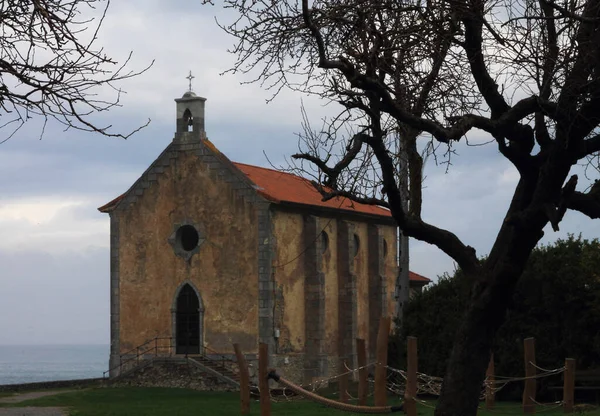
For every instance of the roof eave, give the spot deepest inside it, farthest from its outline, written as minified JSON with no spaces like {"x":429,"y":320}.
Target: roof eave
{"x":110,"y":206}
{"x":337,"y":211}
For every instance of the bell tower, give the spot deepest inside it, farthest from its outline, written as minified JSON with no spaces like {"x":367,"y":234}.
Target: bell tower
{"x":190,"y":115}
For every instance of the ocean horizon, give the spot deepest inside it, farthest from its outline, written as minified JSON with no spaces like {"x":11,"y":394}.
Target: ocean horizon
{"x":36,"y":363}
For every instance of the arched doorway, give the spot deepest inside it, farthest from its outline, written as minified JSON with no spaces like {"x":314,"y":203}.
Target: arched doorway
{"x":188,"y":321}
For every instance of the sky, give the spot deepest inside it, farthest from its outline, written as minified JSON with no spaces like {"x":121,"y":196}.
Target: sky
{"x":54,"y":244}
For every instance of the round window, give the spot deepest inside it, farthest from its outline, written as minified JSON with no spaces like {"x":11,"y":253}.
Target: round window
{"x":187,"y":237}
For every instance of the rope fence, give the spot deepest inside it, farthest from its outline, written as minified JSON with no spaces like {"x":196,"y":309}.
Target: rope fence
{"x":406,"y":385}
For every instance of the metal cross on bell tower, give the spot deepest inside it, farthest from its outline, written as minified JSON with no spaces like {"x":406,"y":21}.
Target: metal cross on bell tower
{"x":190,"y":115}
{"x":190,"y":77}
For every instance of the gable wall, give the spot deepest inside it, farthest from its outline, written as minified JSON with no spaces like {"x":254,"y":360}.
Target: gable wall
{"x":224,"y":271}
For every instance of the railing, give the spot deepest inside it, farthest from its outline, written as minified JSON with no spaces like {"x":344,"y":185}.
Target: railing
{"x":220,"y":358}
{"x":158,"y":347}
{"x":154,"y":346}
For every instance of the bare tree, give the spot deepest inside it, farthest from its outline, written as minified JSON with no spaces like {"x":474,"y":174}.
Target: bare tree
{"x":524,"y":72}
{"x":51,"y":68}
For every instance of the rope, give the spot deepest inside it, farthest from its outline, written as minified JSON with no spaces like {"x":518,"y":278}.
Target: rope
{"x":552,"y":404}
{"x":546,"y":370}
{"x":548,"y":407}
{"x":332,"y":403}
{"x":432,"y":385}
{"x":396,"y":384}
{"x":540,"y":375}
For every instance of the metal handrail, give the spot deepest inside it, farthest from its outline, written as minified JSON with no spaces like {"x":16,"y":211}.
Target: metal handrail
{"x":145,"y":348}
{"x":220,"y":356}
{"x":140,"y":352}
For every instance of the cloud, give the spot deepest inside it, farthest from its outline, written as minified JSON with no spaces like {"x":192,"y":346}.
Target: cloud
{"x":471,"y":198}
{"x":54,"y":258}
{"x":54,"y":299}
{"x":180,"y":39}
{"x":48,"y":225}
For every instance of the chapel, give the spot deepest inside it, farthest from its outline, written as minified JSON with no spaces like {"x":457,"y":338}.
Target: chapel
{"x":208,"y":252}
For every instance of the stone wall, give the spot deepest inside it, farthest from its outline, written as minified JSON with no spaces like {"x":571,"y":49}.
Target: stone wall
{"x":59,"y":384}
{"x":289,"y":276}
{"x":290,"y":366}
{"x":334,"y":280}
{"x":179,"y":374}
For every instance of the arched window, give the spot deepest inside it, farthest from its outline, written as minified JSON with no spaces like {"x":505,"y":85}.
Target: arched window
{"x":355,"y":245}
{"x":324,"y":242}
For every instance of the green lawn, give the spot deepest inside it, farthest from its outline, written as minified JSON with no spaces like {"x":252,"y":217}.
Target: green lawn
{"x":180,"y":402}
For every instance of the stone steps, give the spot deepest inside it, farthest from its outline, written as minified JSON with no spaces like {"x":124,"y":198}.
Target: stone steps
{"x":217,"y":366}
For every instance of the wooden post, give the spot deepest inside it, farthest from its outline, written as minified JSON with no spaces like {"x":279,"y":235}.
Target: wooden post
{"x":244,"y":379}
{"x":263,"y":381}
{"x":410,"y":393}
{"x":363,"y":372}
{"x":530,"y":371}
{"x":569,"y":385}
{"x":489,"y":386}
{"x":343,"y":382}
{"x":381,"y":357}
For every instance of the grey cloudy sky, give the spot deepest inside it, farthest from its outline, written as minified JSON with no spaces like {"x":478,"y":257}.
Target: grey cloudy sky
{"x":54,"y":258}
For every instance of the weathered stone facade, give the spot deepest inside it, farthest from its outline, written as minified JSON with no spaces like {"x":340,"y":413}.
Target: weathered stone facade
{"x":174,"y":374}
{"x":303,"y":278}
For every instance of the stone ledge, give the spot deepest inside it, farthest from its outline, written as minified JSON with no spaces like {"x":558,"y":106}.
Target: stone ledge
{"x":43,"y":385}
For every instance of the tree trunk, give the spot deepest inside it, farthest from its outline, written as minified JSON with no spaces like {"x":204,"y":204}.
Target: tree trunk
{"x":463,"y":381}
{"x":493,"y":286}
{"x":467,"y":364}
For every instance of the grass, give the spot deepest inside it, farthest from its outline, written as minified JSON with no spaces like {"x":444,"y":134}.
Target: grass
{"x":181,"y":402}
{"x":5,"y":394}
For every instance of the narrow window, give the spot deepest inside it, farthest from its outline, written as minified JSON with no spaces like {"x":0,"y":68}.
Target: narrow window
{"x":324,"y":242}
{"x":355,"y":245}
{"x":189,"y":119}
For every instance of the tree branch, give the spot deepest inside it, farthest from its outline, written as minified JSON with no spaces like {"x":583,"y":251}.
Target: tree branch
{"x":46,"y":70}
{"x":411,"y":226}
{"x":333,"y":173}
{"x":473,"y":21}
{"x":330,"y":194}
{"x":588,"y":147}
{"x":566,"y":13}
{"x":587,"y":203}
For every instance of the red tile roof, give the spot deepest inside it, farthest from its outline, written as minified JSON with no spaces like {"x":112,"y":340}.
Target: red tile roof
{"x":414,"y":277}
{"x":277,"y":186}
{"x":110,"y":205}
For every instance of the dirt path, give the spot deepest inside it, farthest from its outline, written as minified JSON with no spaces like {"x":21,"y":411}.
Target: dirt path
{"x":18,"y":398}
{"x":32,"y":411}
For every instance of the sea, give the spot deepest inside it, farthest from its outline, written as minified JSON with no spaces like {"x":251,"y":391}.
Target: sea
{"x":34,"y":363}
